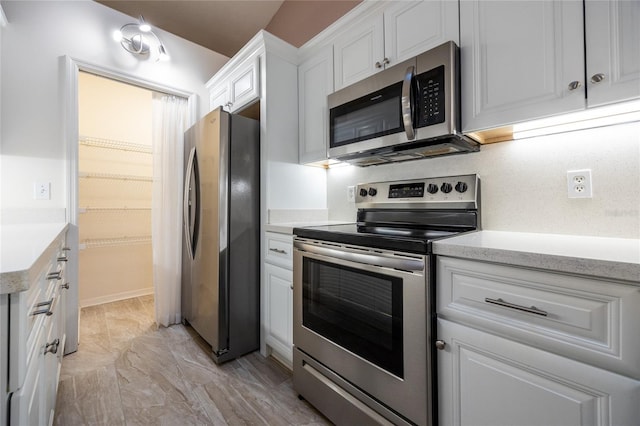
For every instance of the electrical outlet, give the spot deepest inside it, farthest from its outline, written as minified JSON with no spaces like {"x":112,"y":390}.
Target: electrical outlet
{"x":579,"y":184}
{"x":351,"y":193}
{"x":42,"y":191}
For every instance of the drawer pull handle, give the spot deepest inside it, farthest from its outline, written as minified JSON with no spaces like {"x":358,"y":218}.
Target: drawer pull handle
{"x":279,"y":251}
{"x":46,"y":311}
{"x":52,"y":347}
{"x":531,"y":310}
{"x":54,"y":275}
{"x":65,"y":286}
{"x":66,"y":248}
{"x":62,"y":259}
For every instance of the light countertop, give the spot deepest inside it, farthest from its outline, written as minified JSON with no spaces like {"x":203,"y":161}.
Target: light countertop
{"x":24,"y":249}
{"x":614,"y":258}
{"x":287,"y":228}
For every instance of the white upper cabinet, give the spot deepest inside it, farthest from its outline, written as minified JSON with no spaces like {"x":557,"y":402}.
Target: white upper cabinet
{"x":403,"y":30}
{"x":359,"y":53}
{"x":239,"y":88}
{"x":613,"y":50}
{"x":412,"y":27}
{"x":520,"y":60}
{"x":315,"y":82}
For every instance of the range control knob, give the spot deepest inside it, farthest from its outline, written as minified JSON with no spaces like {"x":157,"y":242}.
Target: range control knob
{"x":446,"y":188}
{"x":373,"y":192}
{"x":461,"y":187}
{"x":363,"y":192}
{"x":432,"y":188}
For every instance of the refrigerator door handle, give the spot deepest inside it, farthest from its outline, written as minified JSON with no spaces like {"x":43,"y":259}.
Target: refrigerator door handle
{"x":187,"y":196}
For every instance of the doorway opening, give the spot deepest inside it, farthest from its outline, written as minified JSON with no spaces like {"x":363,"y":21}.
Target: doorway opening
{"x":115,"y":175}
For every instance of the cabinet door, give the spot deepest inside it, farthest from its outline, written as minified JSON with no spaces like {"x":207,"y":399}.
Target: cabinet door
{"x":612,"y":30}
{"x":278,"y":310}
{"x":518,"y":60}
{"x":219,"y":97}
{"x":315,"y":83}
{"x":487,"y":380}
{"x":359,"y":53}
{"x":411,"y":28}
{"x":244,"y":84}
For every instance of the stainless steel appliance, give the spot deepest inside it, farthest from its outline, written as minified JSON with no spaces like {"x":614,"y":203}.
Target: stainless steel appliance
{"x":220,"y":248}
{"x":364,"y":299}
{"x":409,"y":111}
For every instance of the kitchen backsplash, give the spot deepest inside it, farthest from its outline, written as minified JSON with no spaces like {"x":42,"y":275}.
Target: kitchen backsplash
{"x":524,"y":182}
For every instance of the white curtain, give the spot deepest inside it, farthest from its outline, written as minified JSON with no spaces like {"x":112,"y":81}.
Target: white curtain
{"x":170,"y":115}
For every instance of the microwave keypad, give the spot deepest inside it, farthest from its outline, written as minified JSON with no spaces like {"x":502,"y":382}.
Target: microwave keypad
{"x":431,"y":94}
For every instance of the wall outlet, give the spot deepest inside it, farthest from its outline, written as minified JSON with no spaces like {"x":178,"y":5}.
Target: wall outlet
{"x":351,"y":194}
{"x":42,"y":191}
{"x":579,"y":184}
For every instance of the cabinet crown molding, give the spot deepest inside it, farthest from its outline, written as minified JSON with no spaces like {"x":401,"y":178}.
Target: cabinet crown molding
{"x":262,"y":42}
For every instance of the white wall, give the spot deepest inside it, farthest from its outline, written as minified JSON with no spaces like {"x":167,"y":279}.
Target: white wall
{"x":523,"y":182}
{"x":39,"y":33}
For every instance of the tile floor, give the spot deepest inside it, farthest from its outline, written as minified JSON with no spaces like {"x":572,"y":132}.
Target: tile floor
{"x":128,"y":372}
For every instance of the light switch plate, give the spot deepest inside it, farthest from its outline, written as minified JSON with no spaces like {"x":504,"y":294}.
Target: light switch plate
{"x":42,"y":191}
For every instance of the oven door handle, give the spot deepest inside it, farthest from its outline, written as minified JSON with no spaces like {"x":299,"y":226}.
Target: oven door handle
{"x":404,"y":264}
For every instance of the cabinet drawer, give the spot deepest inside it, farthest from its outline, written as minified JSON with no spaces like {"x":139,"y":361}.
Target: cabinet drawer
{"x":587,"y":319}
{"x":279,"y":249}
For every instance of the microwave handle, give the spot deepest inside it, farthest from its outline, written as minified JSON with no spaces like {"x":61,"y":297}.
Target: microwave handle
{"x":406,"y":103}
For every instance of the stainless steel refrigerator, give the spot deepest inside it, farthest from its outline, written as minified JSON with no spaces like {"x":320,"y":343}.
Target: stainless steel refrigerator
{"x":221,"y":241}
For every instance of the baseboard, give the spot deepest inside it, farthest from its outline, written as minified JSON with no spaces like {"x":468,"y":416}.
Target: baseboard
{"x":115,"y":297}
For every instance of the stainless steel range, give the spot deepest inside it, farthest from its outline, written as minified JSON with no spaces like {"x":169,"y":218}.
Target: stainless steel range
{"x":364,"y":331}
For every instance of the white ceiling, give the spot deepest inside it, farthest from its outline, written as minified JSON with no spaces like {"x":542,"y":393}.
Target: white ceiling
{"x":220,"y":25}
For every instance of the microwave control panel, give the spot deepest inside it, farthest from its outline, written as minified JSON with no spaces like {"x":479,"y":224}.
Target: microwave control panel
{"x":431,"y":96}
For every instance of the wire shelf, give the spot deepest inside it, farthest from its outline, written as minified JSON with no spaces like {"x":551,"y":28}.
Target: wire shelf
{"x":113,"y":209}
{"x":110,"y":242}
{"x":110,"y":176}
{"x":113,"y":144}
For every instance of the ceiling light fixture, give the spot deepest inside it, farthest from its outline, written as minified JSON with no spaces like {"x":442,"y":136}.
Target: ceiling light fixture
{"x":138,"y":39}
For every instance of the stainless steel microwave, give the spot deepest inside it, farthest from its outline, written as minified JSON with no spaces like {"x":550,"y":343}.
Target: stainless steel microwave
{"x":408,"y":111}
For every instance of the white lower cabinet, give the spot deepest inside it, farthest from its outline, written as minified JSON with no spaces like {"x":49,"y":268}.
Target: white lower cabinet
{"x":36,"y":341}
{"x":520,"y":346}
{"x":488,"y":380}
{"x":279,"y":310}
{"x":277,"y":297}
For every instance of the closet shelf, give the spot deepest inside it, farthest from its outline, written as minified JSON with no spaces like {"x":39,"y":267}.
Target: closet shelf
{"x":109,"y":242}
{"x":113,"y":209}
{"x":113,"y":144}
{"x":110,"y":176}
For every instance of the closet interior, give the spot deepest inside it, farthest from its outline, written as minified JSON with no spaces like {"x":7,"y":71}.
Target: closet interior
{"x":115,"y":165}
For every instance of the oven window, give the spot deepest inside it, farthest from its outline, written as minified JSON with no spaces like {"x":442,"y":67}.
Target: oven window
{"x":372,"y":116}
{"x":358,"y":310}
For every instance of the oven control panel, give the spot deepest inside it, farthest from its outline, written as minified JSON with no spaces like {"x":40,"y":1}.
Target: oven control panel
{"x":430,"y":193}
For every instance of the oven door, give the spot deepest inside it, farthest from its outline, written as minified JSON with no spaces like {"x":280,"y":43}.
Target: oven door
{"x":362,"y":314}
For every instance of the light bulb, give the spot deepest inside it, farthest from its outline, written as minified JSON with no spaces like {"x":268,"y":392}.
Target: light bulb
{"x":117,"y":36}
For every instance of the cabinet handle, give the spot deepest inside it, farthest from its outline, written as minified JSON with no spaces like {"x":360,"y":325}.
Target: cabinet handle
{"x":229,"y":104}
{"x":531,"y":310}
{"x":66,"y":249}
{"x":574,"y":85}
{"x":440,"y":345}
{"x":384,"y":62}
{"x":279,"y":251}
{"x":597,"y":78}
{"x":62,"y":259}
{"x":52,"y":347}
{"x":46,"y":311}
{"x":65,"y":286}
{"x":291,"y":286}
{"x":54,"y":275}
